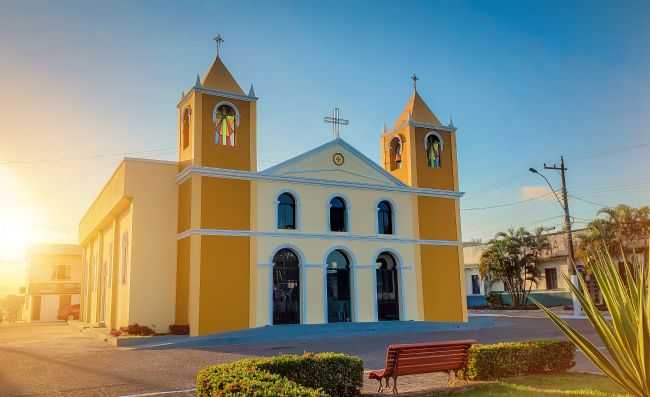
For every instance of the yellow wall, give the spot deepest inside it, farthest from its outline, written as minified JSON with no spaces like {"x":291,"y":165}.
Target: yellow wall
{"x":224,"y":285}
{"x":220,"y":156}
{"x":437,"y":218}
{"x":184,"y":205}
{"x":225,"y":204}
{"x":183,"y":281}
{"x":435,"y":178}
{"x":140,"y":202}
{"x":442,"y":292}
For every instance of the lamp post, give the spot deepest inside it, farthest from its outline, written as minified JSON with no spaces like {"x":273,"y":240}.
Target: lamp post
{"x":564,"y":203}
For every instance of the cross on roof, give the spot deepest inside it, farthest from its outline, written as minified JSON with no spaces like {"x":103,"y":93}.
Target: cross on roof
{"x":219,"y":40}
{"x":336,"y":121}
{"x":415,"y":81}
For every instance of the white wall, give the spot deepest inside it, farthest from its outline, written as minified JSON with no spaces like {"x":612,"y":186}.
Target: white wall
{"x":313,"y":241}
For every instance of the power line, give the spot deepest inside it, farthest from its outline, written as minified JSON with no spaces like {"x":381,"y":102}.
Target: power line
{"x":507,"y":204}
{"x":588,"y":201}
{"x":94,"y":156}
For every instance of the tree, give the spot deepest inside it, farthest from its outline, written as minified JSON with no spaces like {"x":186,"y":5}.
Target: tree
{"x":621,"y":229}
{"x":512,"y":258}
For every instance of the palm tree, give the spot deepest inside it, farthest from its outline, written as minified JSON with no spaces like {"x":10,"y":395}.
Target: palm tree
{"x":512,"y":257}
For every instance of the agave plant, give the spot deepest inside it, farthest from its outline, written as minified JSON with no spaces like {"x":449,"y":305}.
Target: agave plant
{"x":626,"y":335}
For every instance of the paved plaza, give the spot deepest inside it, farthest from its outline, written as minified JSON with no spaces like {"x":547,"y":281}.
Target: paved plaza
{"x":60,"y":360}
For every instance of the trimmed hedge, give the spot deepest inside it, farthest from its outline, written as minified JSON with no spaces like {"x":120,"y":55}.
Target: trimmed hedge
{"x":504,"y":360}
{"x":309,"y":375}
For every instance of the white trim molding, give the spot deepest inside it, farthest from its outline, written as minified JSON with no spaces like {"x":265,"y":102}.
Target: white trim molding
{"x":300,"y":235}
{"x":430,"y":126}
{"x":211,"y":91}
{"x":248,"y":175}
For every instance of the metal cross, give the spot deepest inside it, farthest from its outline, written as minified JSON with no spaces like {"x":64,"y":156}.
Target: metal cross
{"x":336,"y":121}
{"x":415,"y":81}
{"x":219,"y":40}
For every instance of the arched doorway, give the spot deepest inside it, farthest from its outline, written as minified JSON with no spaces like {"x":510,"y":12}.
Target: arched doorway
{"x":286,"y":287}
{"x":338,"y":287}
{"x":387,"y":287}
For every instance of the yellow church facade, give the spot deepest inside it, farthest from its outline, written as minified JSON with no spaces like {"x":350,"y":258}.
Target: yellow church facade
{"x":212,"y":244}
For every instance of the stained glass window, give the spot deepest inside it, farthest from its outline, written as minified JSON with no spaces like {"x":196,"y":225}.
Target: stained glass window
{"x":395,"y":153}
{"x":225,"y":118}
{"x":434,"y":149}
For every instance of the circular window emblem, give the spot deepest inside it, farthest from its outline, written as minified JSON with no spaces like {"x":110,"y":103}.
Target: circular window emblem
{"x":338,"y":159}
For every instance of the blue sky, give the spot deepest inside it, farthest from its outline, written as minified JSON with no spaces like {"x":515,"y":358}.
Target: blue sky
{"x":525,"y":82}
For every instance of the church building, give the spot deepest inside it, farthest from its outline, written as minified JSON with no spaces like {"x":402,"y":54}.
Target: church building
{"x":210,"y":243}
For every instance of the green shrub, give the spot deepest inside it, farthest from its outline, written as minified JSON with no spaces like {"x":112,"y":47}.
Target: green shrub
{"x":493,"y":299}
{"x":504,"y":360}
{"x":309,"y":375}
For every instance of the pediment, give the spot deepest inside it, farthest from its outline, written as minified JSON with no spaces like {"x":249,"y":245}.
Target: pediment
{"x":319,"y":164}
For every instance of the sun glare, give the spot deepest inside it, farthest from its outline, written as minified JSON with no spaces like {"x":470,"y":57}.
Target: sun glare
{"x":16,"y":219}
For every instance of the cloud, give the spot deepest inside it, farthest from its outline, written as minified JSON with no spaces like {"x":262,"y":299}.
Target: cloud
{"x":536,"y":192}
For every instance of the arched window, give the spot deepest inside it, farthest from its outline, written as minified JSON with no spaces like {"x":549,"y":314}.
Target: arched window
{"x":385,"y":218}
{"x":186,"y":127}
{"x":225,"y":117}
{"x":337,"y":215}
{"x":387,"y":287}
{"x":434,"y":150}
{"x":338,"y":287}
{"x":395,"y":152}
{"x":286,"y":211}
{"x":286,"y":287}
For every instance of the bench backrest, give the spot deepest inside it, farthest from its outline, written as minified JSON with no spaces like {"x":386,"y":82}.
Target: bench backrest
{"x":420,"y":358}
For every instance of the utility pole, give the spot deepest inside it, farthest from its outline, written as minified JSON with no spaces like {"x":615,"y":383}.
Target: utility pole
{"x":567,"y":216}
{"x":564,"y":203}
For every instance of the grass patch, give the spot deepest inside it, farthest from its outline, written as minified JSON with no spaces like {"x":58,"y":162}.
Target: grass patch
{"x":547,"y":386}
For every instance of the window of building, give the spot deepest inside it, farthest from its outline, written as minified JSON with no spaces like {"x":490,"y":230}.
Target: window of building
{"x":186,"y":127}
{"x":385,"y":217}
{"x":286,"y":211}
{"x":124,"y":257}
{"x":225,"y":117}
{"x":551,"y":278}
{"x":337,"y":215}
{"x":476,"y":284}
{"x":62,"y":272}
{"x":395,"y":152}
{"x":434,"y":150}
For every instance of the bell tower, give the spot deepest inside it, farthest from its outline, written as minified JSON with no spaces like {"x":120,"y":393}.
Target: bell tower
{"x":217,"y":138}
{"x":421,"y":152}
{"x":218,"y":121}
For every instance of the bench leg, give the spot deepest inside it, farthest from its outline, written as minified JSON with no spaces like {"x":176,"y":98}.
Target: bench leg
{"x":451,"y":380}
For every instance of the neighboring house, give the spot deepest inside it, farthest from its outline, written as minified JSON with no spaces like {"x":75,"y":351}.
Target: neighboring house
{"x":213,"y":244}
{"x":553,"y":263}
{"x":53,"y":280}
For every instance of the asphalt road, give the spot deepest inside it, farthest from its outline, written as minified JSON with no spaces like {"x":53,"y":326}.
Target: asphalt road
{"x":59,"y":360}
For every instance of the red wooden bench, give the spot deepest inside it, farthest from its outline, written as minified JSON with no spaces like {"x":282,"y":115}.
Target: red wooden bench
{"x":422,"y":358}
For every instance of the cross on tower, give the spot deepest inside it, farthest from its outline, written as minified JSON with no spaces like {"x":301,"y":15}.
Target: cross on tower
{"x":219,"y":40}
{"x":415,"y":81}
{"x":336,"y":121}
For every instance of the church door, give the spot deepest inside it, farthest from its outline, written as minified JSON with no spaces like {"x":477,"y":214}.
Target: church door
{"x":338,"y":287}
{"x":387,"y":288}
{"x":286,"y":287}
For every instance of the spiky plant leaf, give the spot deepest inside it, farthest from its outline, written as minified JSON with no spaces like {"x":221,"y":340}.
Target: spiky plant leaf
{"x":626,"y":336}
